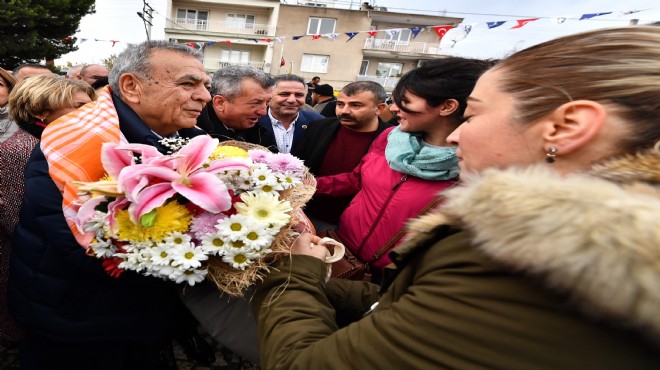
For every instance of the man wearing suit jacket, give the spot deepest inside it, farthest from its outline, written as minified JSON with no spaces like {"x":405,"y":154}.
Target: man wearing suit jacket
{"x":285,"y":119}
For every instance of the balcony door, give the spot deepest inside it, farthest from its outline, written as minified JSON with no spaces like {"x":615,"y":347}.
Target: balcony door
{"x":240,"y":21}
{"x":235,"y":57}
{"x":192,"y":18}
{"x":389,"y":69}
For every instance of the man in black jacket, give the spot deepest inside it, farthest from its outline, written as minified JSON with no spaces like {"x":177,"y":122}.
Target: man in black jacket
{"x":240,"y":97}
{"x":75,"y":315}
{"x":336,"y":145}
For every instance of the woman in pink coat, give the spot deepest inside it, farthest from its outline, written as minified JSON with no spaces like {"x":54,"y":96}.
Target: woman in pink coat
{"x":407,"y":166}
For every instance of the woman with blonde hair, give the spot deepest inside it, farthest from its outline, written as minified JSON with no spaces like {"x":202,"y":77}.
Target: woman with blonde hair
{"x":32,"y":104}
{"x":546,"y":257}
{"x":42,"y":99}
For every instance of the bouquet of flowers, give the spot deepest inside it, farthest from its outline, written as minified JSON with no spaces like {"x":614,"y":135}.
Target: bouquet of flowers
{"x":205,"y":210}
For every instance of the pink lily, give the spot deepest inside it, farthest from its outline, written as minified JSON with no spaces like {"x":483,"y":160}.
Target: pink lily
{"x":149,"y":185}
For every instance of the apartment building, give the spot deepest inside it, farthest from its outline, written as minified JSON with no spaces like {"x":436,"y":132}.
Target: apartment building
{"x":310,"y":36}
{"x":228,"y":31}
{"x":383,"y":57}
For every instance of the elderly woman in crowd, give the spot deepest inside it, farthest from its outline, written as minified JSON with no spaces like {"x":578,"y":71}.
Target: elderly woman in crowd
{"x":24,"y":112}
{"x":8,"y":203}
{"x":547,"y":256}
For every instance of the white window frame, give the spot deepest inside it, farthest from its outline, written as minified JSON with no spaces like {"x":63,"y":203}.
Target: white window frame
{"x":240,"y":21}
{"x":398,"y":39}
{"x":389,"y":69}
{"x":315,"y":63}
{"x":319,"y":23}
{"x":200,"y":24}
{"x":365,"y":63}
{"x":233,"y":56}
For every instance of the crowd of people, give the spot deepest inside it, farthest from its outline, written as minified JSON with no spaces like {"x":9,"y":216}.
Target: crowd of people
{"x":505,"y":212}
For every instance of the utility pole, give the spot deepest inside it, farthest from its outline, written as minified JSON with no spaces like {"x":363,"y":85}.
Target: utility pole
{"x":147,"y":17}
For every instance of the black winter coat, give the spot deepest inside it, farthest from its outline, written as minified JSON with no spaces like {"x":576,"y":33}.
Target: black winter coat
{"x":58,"y":292}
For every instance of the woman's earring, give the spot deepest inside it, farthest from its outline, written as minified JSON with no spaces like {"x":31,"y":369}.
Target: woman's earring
{"x":551,"y":154}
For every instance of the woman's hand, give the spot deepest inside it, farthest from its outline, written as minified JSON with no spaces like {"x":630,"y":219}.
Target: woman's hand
{"x":307,"y":244}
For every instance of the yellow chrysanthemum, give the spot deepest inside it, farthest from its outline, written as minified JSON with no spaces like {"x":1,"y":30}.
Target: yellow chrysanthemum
{"x":171,"y":217}
{"x":228,"y":151}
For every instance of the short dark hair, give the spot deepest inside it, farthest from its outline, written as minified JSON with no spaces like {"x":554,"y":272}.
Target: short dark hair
{"x":289,"y":77}
{"x":438,"y":80}
{"x":360,"y":86}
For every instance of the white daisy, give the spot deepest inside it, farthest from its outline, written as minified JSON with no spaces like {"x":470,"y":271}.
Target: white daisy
{"x":177,"y":238}
{"x":239,"y":259}
{"x":102,"y":248}
{"x":191,"y":276}
{"x":265,"y":208}
{"x":187,"y":256}
{"x":162,"y":255}
{"x":165,"y":271}
{"x":213,"y":243}
{"x":288,"y":179}
{"x":136,"y":246}
{"x":96,"y":224}
{"x":234,"y":226}
{"x":264,"y":178}
{"x":259,"y":236}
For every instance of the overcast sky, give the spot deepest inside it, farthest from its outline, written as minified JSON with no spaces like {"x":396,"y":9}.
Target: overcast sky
{"x":117,"y":20}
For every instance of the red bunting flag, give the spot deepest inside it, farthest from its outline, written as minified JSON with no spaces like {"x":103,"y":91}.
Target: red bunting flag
{"x":442,"y":30}
{"x":316,"y":37}
{"x":522,"y":22}
{"x":282,"y":62}
{"x":114,"y":42}
{"x":228,"y":42}
{"x":373,"y":33}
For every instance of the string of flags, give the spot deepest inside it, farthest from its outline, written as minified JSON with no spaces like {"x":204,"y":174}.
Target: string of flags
{"x":461,"y":31}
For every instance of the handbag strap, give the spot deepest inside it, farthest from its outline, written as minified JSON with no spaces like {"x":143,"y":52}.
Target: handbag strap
{"x":390,"y":243}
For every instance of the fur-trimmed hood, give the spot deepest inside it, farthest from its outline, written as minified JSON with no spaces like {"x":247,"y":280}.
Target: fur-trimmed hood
{"x":595,"y":235}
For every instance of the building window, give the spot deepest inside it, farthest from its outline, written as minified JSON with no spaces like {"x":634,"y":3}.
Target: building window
{"x":240,"y":21}
{"x":364,"y":67}
{"x":320,"y":26}
{"x":315,"y":63}
{"x":400,"y":35}
{"x":389,"y":69}
{"x":195,"y":19}
{"x":241,"y":57}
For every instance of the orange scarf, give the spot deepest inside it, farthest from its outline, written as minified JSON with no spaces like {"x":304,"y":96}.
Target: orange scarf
{"x":72,"y":147}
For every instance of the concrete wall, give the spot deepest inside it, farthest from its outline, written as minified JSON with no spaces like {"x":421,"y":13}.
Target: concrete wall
{"x":345,"y":57}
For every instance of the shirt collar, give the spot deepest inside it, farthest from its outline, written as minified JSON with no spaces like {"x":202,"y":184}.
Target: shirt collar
{"x":275,"y":121}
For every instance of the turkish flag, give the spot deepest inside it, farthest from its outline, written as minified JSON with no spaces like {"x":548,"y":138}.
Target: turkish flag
{"x":522,"y":22}
{"x":282,"y":62}
{"x":442,"y":30}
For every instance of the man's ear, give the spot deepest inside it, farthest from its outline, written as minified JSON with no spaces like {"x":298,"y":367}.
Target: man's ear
{"x":448,"y":107}
{"x":380,"y":107}
{"x":574,"y":124}
{"x":218,"y":103}
{"x":130,"y":88}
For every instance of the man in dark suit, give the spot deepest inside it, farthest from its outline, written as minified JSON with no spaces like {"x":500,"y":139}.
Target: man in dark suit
{"x":286,"y":120}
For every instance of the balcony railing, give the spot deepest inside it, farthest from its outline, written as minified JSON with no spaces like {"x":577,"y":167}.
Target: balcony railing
{"x":401,"y":46}
{"x":214,"y":64}
{"x":226,"y":27}
{"x":387,"y":82}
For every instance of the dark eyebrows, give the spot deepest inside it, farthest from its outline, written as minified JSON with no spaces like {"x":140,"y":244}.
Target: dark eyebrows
{"x":191,"y":77}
